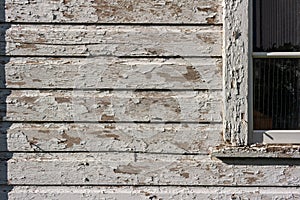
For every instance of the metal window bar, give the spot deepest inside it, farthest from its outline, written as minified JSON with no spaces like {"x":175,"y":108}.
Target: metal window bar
{"x":276,"y":94}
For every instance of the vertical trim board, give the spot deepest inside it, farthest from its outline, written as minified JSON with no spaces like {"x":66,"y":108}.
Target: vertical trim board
{"x":236,"y":58}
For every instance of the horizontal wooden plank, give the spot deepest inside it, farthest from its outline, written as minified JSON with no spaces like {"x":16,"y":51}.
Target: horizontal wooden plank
{"x":141,"y":169}
{"x":78,"y":40}
{"x":117,"y":73}
{"x":118,"y":106}
{"x":139,"y":193}
{"x":166,"y":138}
{"x":114,"y":11}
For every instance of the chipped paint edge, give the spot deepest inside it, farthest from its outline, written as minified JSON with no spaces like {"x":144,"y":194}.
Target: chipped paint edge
{"x":235,"y":70}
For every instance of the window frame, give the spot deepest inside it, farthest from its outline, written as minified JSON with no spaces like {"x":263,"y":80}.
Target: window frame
{"x":267,"y":136}
{"x":238,"y":78}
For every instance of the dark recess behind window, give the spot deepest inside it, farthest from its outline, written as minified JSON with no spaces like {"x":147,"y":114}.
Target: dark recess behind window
{"x":277,"y":80}
{"x":276,"y":25}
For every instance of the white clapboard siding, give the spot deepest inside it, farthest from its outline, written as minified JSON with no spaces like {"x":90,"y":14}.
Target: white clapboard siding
{"x":80,"y":40}
{"x":114,"y":11}
{"x":166,"y":138}
{"x":116,"y":73}
{"x":146,"y":193}
{"x":82,"y":105}
{"x":141,"y":169}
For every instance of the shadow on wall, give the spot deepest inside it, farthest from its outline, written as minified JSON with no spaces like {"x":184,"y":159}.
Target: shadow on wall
{"x":4,"y":92}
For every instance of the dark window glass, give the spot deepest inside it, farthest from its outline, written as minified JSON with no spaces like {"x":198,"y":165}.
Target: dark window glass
{"x":276,"y":25}
{"x":276,"y":94}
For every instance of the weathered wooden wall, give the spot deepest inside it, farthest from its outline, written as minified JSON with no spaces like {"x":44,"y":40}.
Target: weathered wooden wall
{"x":120,"y":99}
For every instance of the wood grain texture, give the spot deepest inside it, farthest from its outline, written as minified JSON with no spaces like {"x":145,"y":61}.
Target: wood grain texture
{"x":114,"y":11}
{"x":140,"y":193}
{"x":81,"y":105}
{"x":80,"y":40}
{"x":160,"y":138}
{"x":142,"y":169}
{"x":116,"y":73}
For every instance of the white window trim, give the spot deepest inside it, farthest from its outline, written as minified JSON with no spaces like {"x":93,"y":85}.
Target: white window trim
{"x":238,"y":79}
{"x":236,"y":58}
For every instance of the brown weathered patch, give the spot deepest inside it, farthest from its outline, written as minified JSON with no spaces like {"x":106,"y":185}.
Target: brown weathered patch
{"x":106,"y":101}
{"x":174,"y":169}
{"x":192,"y":74}
{"x":63,"y":99}
{"x":105,"y":117}
{"x":28,"y":99}
{"x":153,"y":51}
{"x":19,"y":83}
{"x":36,"y":80}
{"x":43,"y":131}
{"x":55,"y":58}
{"x":206,"y":38}
{"x":41,"y":40}
{"x":111,"y":135}
{"x":67,"y":15}
{"x":220,"y":67}
{"x":70,"y":141}
{"x":183,"y":145}
{"x":185,"y":175}
{"x":153,"y":100}
{"x":33,"y":62}
{"x":111,"y":126}
{"x":170,"y":78}
{"x":211,"y":20}
{"x":249,"y":172}
{"x":66,"y":1}
{"x":146,"y":193}
{"x":176,"y":9}
{"x":207,"y":9}
{"x":105,"y":9}
{"x":260,"y":174}
{"x":34,"y":141}
{"x":251,"y":180}
{"x":28,"y":46}
{"x":128,"y":169}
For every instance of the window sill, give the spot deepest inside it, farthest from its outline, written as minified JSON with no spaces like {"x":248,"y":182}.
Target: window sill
{"x":258,"y":151}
